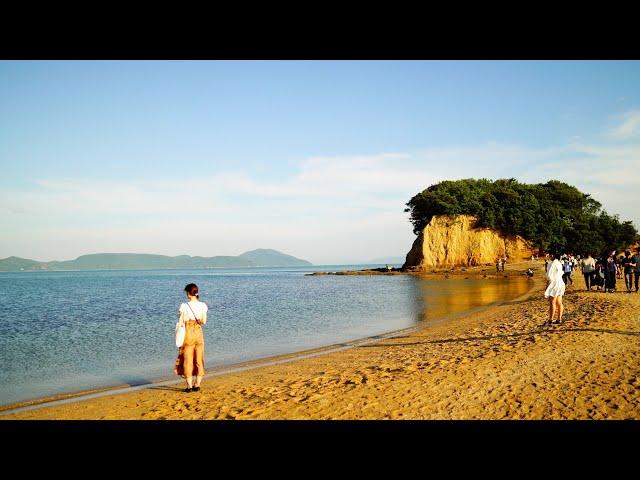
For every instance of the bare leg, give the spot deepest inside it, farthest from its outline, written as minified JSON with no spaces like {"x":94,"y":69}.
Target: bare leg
{"x":199,"y":359}
{"x":560,"y":308}
{"x":188,"y":363}
{"x":552,"y":308}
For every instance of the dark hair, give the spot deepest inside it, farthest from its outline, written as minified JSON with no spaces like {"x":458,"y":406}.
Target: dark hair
{"x":192,"y":289}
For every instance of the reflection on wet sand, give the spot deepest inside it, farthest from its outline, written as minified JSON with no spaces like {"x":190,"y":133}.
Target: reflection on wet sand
{"x":440,"y":299}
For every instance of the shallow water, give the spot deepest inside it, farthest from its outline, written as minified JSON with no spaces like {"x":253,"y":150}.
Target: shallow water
{"x":69,"y":331}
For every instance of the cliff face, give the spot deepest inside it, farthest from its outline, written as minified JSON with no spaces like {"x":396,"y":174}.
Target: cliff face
{"x":453,"y":241}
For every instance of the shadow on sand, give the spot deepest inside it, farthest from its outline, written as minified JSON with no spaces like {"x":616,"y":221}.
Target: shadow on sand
{"x":539,"y":330}
{"x":171,"y":389}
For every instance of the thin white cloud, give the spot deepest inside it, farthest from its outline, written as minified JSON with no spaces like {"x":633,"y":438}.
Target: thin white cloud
{"x":628,"y":126}
{"x":330,"y":209}
{"x":583,"y":164}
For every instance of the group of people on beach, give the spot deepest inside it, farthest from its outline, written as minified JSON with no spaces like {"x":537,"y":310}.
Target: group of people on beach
{"x":600,"y":272}
{"x":500,"y":263}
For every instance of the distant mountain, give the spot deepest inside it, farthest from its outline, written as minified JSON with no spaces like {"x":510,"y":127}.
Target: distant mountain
{"x":389,"y":260}
{"x":264,"y":257}
{"x":17,"y":263}
{"x":132,"y":261}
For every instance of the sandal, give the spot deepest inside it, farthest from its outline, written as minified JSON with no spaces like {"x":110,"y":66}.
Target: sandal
{"x":188,"y":390}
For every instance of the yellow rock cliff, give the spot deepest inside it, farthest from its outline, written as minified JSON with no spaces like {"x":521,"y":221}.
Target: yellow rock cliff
{"x":452,"y":241}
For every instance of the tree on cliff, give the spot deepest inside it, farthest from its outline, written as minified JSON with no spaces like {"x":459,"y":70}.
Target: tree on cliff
{"x":553,"y":215}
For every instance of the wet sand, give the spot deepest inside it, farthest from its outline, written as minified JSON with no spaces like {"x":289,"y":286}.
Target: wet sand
{"x":497,"y":363}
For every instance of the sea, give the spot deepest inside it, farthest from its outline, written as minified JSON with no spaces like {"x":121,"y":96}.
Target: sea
{"x":71,"y":331}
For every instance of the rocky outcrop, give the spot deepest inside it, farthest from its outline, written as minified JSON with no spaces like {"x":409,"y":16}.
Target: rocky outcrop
{"x":452,"y":241}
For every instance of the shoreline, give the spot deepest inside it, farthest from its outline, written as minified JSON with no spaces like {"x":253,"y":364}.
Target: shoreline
{"x":88,"y":394}
{"x":498,"y":363}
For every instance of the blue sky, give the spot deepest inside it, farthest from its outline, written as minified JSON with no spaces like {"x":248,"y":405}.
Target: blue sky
{"x":314,"y":158}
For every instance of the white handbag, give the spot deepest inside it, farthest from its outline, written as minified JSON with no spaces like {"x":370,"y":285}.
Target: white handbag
{"x":181,"y":331}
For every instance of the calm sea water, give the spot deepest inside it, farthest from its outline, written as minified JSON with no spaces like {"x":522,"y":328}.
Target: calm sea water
{"x":68,"y":331}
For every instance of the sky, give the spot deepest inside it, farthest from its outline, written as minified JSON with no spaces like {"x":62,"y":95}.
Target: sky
{"x":313,"y":158}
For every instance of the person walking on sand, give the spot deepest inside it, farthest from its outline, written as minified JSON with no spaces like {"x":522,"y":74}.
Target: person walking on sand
{"x":619,"y":262}
{"x":599,"y":278}
{"x":193,"y":315}
{"x":635,"y":262}
{"x":555,"y":290}
{"x":611,"y":269}
{"x":627,"y":266}
{"x":566,"y":277}
{"x":588,"y":266}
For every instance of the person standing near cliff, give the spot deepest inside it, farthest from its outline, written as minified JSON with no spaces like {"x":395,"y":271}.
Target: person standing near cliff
{"x":555,"y":290}
{"x":193,"y":315}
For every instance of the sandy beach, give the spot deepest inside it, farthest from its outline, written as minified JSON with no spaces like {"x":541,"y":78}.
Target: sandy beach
{"x":498,"y":363}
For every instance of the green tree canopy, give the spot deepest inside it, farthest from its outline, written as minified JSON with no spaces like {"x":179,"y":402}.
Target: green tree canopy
{"x":553,"y":215}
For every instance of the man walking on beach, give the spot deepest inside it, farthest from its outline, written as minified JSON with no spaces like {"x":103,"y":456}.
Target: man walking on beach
{"x":588,"y":265}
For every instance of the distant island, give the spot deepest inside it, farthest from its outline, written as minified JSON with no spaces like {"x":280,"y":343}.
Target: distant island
{"x":132,"y":261}
{"x":554,"y":216}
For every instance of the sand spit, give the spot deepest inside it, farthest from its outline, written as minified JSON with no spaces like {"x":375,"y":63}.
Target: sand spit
{"x":495,"y":364}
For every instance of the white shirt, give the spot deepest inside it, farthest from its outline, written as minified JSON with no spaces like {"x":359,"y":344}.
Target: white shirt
{"x":199,"y":309}
{"x":556,"y":286}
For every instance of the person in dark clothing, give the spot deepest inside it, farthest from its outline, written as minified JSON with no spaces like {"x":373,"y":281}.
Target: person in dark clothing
{"x":599,"y":278}
{"x":635,"y":262}
{"x":627,"y":267}
{"x":611,"y":269}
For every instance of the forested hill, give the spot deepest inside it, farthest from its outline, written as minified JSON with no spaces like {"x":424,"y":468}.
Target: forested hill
{"x":126,"y":261}
{"x":553,"y":215}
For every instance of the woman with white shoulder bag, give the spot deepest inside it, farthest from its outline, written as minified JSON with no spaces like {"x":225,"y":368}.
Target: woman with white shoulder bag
{"x":192,"y":315}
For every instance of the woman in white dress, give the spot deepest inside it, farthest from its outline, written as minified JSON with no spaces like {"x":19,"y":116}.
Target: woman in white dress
{"x":555,"y":290}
